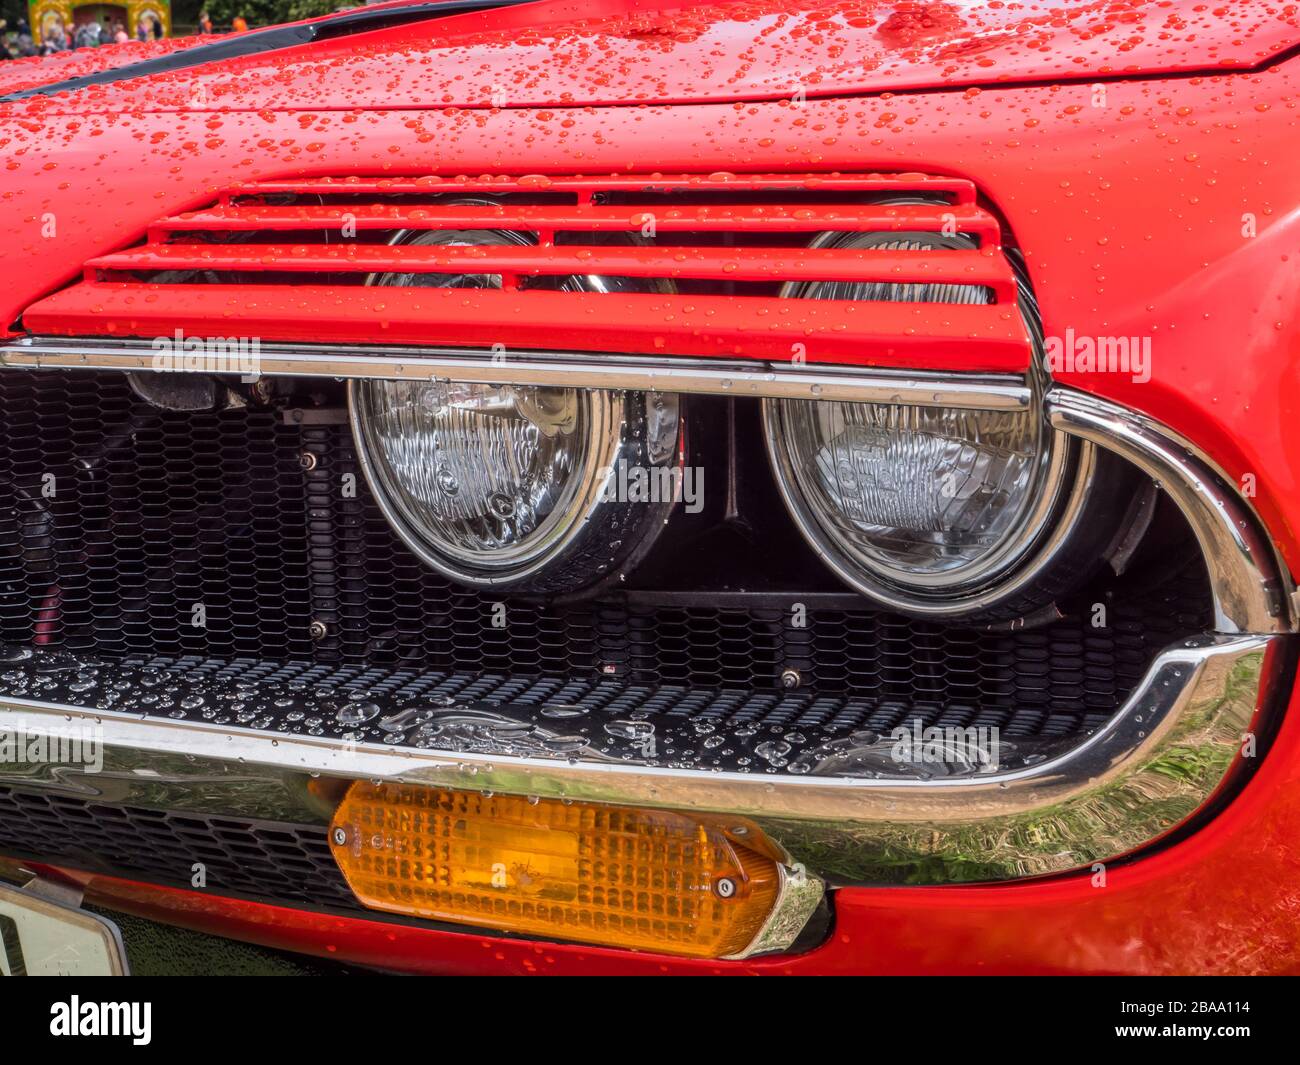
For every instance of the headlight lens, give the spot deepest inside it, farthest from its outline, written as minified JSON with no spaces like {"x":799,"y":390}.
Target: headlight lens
{"x":452,"y":239}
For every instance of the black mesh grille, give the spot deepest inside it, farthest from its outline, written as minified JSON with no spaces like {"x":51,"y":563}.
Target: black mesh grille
{"x":120,"y":519}
{"x":284,"y":863}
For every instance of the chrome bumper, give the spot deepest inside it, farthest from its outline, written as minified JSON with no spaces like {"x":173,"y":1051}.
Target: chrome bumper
{"x":1175,"y":743}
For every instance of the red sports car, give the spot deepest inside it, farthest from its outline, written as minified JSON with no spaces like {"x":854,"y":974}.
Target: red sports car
{"x":775,"y":486}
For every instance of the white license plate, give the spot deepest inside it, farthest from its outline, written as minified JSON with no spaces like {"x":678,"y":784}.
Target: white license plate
{"x":42,"y":938}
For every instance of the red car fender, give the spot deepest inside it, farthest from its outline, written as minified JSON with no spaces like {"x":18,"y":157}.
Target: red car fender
{"x":1167,"y":213}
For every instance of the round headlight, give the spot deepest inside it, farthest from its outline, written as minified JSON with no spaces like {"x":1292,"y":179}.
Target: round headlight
{"x":939,"y":512}
{"x":512,"y":486}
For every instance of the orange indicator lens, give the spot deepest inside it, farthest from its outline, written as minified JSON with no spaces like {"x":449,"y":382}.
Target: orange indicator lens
{"x":618,"y":876}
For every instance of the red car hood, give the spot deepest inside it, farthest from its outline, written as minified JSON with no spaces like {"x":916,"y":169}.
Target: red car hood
{"x":598,"y":52}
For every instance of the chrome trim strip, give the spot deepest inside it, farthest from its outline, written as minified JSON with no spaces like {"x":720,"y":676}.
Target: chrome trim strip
{"x":797,"y":898}
{"x":1094,"y":801}
{"x":734,"y":377}
{"x":1252,"y":589}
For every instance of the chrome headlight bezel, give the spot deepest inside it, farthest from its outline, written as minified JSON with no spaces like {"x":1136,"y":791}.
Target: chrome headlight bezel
{"x":1064,"y":477}
{"x":587,"y":537}
{"x":589,"y":533}
{"x":1028,"y":567}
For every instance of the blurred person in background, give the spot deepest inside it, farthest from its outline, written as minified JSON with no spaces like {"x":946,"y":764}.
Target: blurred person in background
{"x":239,"y":24}
{"x":205,"y":23}
{"x":23,"y":43}
{"x":86,"y":35}
{"x":55,"y":38}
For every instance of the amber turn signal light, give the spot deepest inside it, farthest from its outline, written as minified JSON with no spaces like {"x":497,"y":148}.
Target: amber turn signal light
{"x":659,"y":880}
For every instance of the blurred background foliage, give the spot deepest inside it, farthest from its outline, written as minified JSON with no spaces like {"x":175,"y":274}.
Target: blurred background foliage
{"x":256,"y":12}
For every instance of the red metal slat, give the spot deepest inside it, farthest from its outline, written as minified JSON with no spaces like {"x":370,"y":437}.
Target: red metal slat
{"x":774,"y":218}
{"x":969,"y":267}
{"x":922,"y":336}
{"x":960,"y":189}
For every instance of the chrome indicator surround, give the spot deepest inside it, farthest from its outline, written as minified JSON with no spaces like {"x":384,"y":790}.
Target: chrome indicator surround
{"x":798,"y":895}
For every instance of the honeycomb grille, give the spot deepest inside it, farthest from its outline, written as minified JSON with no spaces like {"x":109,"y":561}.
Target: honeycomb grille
{"x":128,"y":530}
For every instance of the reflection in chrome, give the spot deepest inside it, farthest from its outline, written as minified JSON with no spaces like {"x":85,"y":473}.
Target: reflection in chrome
{"x":1252,"y":591}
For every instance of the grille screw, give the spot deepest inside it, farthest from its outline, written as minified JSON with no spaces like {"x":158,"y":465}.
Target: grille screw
{"x":318,"y":630}
{"x":340,"y":837}
{"x":790,"y":679}
{"x":725,"y":887}
{"x":307,"y":460}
